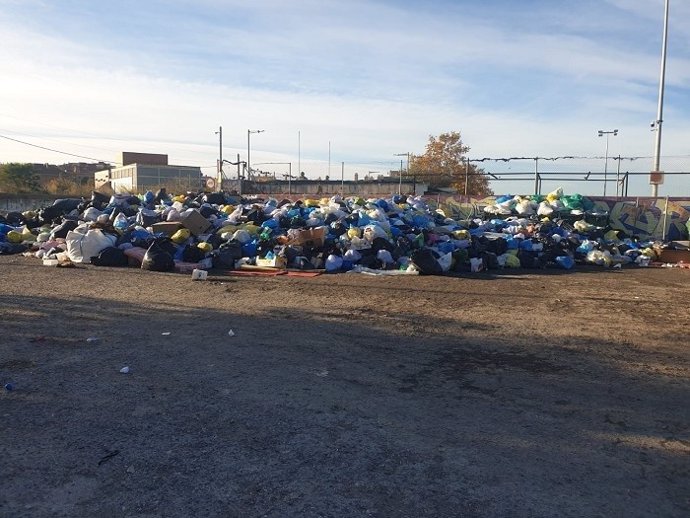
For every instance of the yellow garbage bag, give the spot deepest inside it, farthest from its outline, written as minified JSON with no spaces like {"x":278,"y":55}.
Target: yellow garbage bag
{"x":206,"y":247}
{"x":512,"y":260}
{"x":180,"y":236}
{"x":14,"y":237}
{"x":27,"y":235}
{"x":353,"y":232}
{"x":227,"y":209}
{"x":251,"y":228}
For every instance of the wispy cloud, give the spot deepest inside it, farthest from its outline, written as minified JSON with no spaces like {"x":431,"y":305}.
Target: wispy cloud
{"x":374,"y":78}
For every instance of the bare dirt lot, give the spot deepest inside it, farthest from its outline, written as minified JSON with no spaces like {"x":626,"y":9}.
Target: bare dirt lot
{"x":529,"y":394}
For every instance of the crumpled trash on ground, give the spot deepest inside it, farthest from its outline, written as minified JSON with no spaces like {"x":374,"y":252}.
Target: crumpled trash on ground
{"x":400,"y":234}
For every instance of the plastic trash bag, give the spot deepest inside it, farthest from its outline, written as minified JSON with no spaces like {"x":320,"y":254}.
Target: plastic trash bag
{"x":565,"y":261}
{"x":180,"y":236}
{"x":385,"y":257}
{"x":544,"y":209}
{"x":426,"y":261}
{"x":334,"y":263}
{"x":227,"y":254}
{"x":110,"y":256}
{"x":82,"y":247}
{"x":91,"y":214}
{"x":157,"y":259}
{"x":476,"y":264}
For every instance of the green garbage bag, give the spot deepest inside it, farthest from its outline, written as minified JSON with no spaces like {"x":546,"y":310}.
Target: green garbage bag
{"x":572,"y":202}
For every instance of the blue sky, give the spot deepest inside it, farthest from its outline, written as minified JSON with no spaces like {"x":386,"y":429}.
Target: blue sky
{"x":375,"y":78}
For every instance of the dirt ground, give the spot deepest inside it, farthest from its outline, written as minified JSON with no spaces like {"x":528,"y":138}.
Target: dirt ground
{"x":523,"y":394}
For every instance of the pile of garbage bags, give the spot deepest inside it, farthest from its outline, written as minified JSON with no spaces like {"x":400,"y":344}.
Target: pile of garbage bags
{"x":401,"y":234}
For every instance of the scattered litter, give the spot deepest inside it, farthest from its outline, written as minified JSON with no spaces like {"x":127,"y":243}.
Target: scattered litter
{"x":231,"y":333}
{"x":124,"y":370}
{"x":130,"y":469}
{"x":9,"y":387}
{"x":166,"y":333}
{"x":92,"y":339}
{"x":322,"y":373}
{"x":199,"y":275}
{"x":108,"y":456}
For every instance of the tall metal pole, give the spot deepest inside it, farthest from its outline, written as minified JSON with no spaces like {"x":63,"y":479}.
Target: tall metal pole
{"x":601,"y":133}
{"x":467,"y":173}
{"x":220,"y":159}
{"x":660,"y":110}
{"x":606,"y":163}
{"x":290,"y":178}
{"x":299,"y":153}
{"x":400,"y":179}
{"x":249,"y":169}
{"x":536,"y":175}
{"x":329,"y":159}
{"x":618,"y":177}
{"x":342,"y":179}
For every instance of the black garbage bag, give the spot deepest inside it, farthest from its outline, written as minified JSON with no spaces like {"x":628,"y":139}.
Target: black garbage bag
{"x":61,"y":230}
{"x":15,"y":219}
{"x":338,"y":228}
{"x":227,"y":254}
{"x":530,"y":259}
{"x":207,"y":211}
{"x":12,"y":248}
{"x":214,"y":198}
{"x":192,"y":254}
{"x":426,"y":261}
{"x":110,"y":256}
{"x":490,"y":260}
{"x":146,"y":217}
{"x":380,"y":243}
{"x":99,"y":198}
{"x":157,"y":259}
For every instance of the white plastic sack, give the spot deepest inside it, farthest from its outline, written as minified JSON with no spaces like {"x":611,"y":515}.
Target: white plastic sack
{"x":544,"y":209}
{"x":82,"y":247}
{"x":371,"y":232}
{"x":524,"y":207}
{"x":445,"y":262}
{"x":91,"y":214}
{"x":476,"y":264}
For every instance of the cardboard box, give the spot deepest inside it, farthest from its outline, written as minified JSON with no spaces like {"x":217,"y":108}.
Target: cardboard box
{"x":312,"y":237}
{"x":196,"y":223}
{"x":277,"y":262}
{"x":166,"y":227}
{"x":674,"y":256}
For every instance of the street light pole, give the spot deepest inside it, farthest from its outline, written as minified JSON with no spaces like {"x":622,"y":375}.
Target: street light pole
{"x":249,"y":167}
{"x":601,"y":133}
{"x":660,"y":109}
{"x":401,"y":169}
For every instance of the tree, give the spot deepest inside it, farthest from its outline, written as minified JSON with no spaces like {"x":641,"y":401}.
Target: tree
{"x":444,"y":164}
{"x":16,"y":177}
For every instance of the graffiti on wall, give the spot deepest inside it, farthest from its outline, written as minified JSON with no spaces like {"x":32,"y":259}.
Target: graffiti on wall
{"x":642,"y":217}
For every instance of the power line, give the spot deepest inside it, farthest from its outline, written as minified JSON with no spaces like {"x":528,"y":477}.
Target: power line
{"x":56,"y":150}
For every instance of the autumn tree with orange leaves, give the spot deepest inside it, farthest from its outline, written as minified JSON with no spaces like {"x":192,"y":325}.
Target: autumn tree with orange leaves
{"x":443,"y":164}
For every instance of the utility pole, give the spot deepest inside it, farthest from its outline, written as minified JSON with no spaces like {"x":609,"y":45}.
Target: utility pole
{"x":660,"y":109}
{"x":467,"y":173}
{"x":219,"y":172}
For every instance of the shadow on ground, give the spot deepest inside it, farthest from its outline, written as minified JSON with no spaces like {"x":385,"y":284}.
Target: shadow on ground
{"x":301,"y":415}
